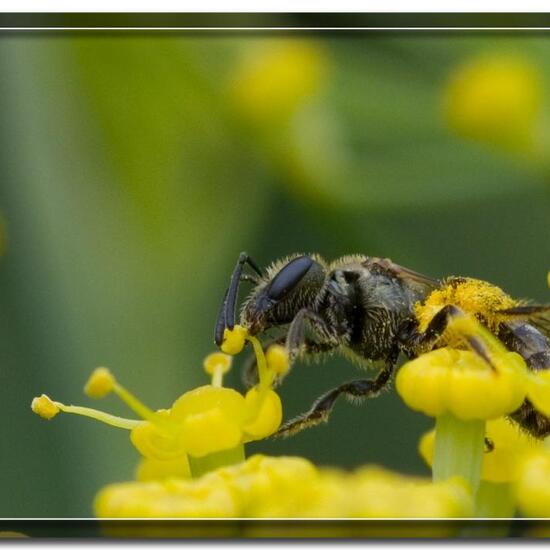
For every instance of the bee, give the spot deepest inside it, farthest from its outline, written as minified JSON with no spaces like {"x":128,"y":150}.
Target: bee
{"x":374,"y":310}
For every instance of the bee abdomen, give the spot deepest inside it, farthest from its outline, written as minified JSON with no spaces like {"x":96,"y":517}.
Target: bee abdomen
{"x":539,"y":360}
{"x":534,"y":347}
{"x":529,"y":342}
{"x":531,"y":420}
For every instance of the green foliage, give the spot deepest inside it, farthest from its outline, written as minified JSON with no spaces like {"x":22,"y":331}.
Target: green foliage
{"x":133,"y":175}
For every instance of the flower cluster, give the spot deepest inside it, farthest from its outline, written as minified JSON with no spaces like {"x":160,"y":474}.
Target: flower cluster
{"x":532,"y":487}
{"x":503,"y":462}
{"x":274,"y":79}
{"x":287,"y":487}
{"x":193,"y":455}
{"x":205,"y":427}
{"x":470,"y":387}
{"x":469,"y":392}
{"x":497,"y":99}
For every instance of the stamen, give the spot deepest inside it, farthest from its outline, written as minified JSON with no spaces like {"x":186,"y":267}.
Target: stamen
{"x":106,"y":418}
{"x":46,"y":408}
{"x":216,"y":365}
{"x":102,"y":382}
{"x":264,"y":374}
{"x":277,"y":359}
{"x":133,"y":402}
{"x":234,"y":340}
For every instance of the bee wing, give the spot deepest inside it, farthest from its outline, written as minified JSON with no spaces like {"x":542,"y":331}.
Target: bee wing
{"x":536,"y":314}
{"x":413,"y":276}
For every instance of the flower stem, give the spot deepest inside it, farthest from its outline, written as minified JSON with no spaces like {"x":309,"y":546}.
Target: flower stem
{"x":204,"y":464}
{"x":458,"y":449}
{"x":495,"y":500}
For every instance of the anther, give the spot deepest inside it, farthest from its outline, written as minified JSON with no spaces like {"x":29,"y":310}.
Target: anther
{"x":277,"y":359}
{"x":216,"y":365}
{"x":44,"y":407}
{"x":100,"y":383}
{"x":234,"y":340}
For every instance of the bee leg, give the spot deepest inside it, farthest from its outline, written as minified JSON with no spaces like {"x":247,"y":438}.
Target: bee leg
{"x":226,"y":315}
{"x":412,"y":339}
{"x":309,"y":347}
{"x":321,"y":409}
{"x":249,"y":278}
{"x":295,"y":338}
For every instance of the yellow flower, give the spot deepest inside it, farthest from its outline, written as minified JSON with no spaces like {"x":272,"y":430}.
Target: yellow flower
{"x":264,"y":414}
{"x":208,"y":420}
{"x":495,"y":98}
{"x":538,"y":390}
{"x":500,"y":465}
{"x":461,"y":383}
{"x":276,"y":77}
{"x":287,"y":487}
{"x":384,"y":494}
{"x":533,"y":486}
{"x":205,"y":427}
{"x":150,"y":469}
{"x":170,"y":498}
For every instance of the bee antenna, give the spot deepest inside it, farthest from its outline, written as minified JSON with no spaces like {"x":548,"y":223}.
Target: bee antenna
{"x":220,"y":322}
{"x":226,"y":316}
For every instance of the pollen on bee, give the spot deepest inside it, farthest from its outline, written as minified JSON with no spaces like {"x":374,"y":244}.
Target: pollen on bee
{"x":470,"y":295}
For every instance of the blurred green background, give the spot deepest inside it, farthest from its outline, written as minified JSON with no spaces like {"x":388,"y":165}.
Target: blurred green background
{"x":135,"y":167}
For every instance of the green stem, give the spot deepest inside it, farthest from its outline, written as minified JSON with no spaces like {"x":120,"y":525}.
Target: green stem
{"x":495,"y":500}
{"x":458,"y":449}
{"x":213,"y":461}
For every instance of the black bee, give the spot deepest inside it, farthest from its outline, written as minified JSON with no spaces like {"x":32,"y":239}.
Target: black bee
{"x":374,"y":310}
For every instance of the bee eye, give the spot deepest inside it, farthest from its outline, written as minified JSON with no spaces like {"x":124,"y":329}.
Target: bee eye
{"x":289,"y":277}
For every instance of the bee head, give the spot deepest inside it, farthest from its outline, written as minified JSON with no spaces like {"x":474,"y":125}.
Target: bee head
{"x":277,"y":300}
